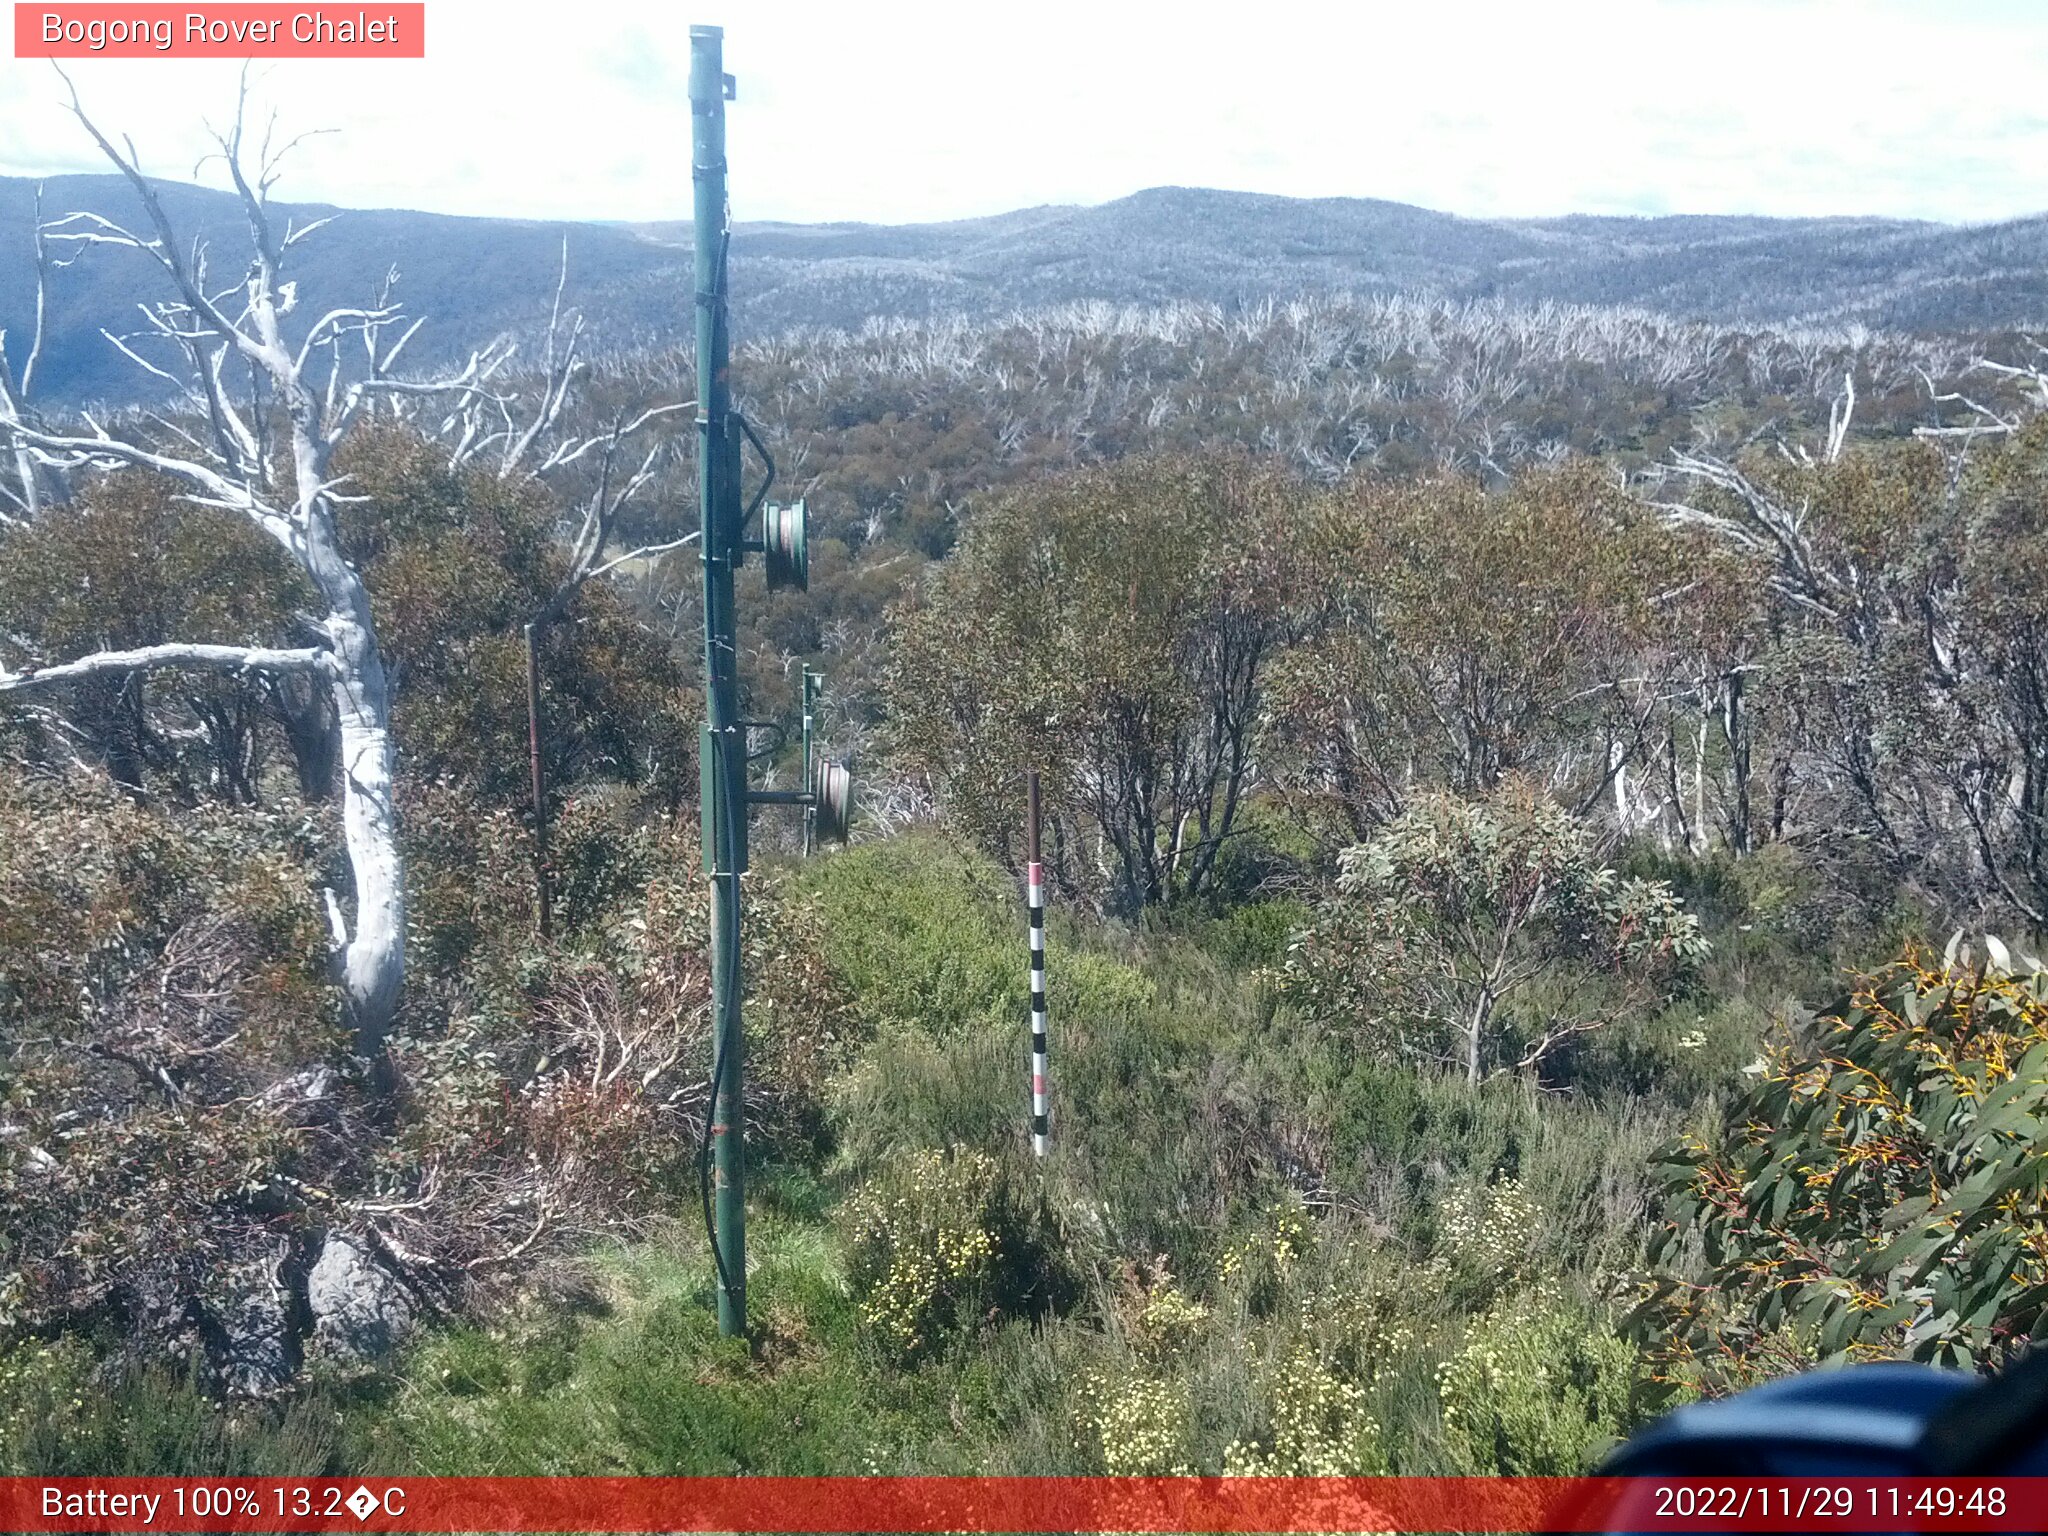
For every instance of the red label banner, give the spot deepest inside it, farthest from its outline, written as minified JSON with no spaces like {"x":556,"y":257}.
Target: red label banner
{"x":1022,"y":1504}
{"x":235,"y":31}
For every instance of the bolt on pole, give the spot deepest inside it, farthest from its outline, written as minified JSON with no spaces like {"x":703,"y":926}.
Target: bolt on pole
{"x":722,"y":751}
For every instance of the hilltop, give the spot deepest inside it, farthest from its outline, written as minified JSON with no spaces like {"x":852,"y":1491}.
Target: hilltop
{"x":478,"y":277}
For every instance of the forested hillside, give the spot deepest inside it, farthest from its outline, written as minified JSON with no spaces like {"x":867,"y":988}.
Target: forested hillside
{"x":477,"y":278}
{"x":1520,"y":775}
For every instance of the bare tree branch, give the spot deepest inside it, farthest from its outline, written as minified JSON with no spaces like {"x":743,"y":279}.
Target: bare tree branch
{"x":644,"y":552}
{"x":228,"y":658}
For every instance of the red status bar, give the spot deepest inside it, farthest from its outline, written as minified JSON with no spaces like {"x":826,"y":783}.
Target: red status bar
{"x":1022,"y":1504}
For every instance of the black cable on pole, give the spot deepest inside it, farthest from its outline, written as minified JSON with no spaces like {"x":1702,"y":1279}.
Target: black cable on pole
{"x":704,"y":1167}
{"x":767,"y":458}
{"x":711,"y":1113}
{"x":729,"y":856}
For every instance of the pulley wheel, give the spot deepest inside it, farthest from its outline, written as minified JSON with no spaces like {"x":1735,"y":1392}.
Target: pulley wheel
{"x":785,"y":547}
{"x":835,"y":802}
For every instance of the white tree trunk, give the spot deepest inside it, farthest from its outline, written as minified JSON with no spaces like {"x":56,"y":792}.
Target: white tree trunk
{"x":371,"y":958}
{"x":1699,"y":787}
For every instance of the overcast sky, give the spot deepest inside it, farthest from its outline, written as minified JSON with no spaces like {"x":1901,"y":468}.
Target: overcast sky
{"x":907,"y":111}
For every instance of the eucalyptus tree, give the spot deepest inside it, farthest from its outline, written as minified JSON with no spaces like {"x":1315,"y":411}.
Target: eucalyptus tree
{"x":1906,"y":608}
{"x":1114,"y":628}
{"x":1485,"y":934}
{"x":1469,"y":635}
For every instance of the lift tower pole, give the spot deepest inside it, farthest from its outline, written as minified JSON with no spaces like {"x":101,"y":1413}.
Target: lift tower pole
{"x":722,"y":750}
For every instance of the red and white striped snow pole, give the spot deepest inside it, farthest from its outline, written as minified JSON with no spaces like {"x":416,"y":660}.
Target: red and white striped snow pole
{"x":1034,"y":901}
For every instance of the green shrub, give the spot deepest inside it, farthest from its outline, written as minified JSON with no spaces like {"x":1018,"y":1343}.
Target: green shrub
{"x":1114,"y":627}
{"x":1538,"y":1389}
{"x":916,"y":935}
{"x":1877,"y":1193}
{"x":457,"y":562}
{"x":132,"y":562}
{"x":1268,"y":847}
{"x":1486,"y":934}
{"x":1258,"y":1266}
{"x":67,"y":1412}
{"x":1487,"y":1239}
{"x":1136,"y":1426}
{"x":1316,"y":1425}
{"x":1255,"y":936}
{"x":1399,"y":1142}
{"x":940,"y":1244}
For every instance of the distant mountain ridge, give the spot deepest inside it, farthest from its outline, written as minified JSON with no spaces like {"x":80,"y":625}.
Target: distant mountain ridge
{"x":476,"y":278}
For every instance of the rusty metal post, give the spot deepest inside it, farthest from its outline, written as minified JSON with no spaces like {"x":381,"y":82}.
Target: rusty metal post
{"x":538,"y":770}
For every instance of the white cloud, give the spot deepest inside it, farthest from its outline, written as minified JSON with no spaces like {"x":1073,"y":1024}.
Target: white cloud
{"x":896,"y":111}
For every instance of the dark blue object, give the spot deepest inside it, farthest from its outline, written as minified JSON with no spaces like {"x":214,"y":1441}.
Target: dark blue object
{"x":1861,"y":1419}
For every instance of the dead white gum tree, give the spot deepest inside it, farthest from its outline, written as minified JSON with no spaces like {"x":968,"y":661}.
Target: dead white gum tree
{"x":264,"y":449}
{"x":264,"y":453}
